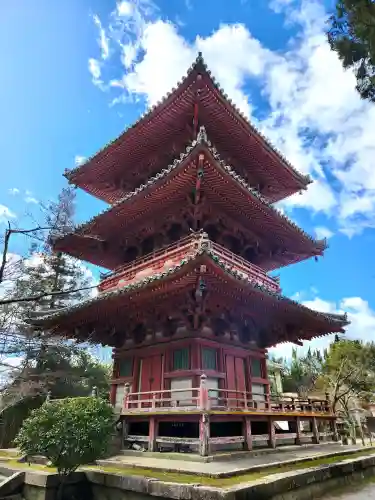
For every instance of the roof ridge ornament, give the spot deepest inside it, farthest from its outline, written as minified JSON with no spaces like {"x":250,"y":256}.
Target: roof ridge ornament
{"x":202,"y":135}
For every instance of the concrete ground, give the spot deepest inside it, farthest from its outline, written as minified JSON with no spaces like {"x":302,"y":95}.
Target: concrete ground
{"x":366,"y":492}
{"x":230,"y":466}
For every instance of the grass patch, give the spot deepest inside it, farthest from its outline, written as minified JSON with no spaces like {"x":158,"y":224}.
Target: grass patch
{"x":10,"y":453}
{"x":14,"y":464}
{"x":176,"y":477}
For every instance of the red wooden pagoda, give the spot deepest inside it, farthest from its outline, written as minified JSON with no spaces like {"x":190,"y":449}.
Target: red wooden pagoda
{"x":189,"y":307}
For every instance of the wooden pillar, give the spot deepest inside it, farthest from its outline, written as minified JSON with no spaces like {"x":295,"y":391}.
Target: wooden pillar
{"x":152,"y":431}
{"x":248,"y":444}
{"x":315,"y":431}
{"x":204,"y":402}
{"x":204,"y":435}
{"x":271,"y":433}
{"x":335,"y":433}
{"x":298,"y":431}
{"x":112,"y":394}
{"x":125,"y":432}
{"x":126,"y":404}
{"x":195,"y":348}
{"x":113,"y":389}
{"x":136,"y":374}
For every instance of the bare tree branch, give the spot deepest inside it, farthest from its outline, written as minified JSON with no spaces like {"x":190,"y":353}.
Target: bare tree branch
{"x":43,"y":295}
{"x":5,"y":252}
{"x":8,"y":233}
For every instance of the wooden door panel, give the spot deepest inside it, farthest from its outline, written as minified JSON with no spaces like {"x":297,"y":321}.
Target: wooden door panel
{"x":240,"y":380}
{"x":156,"y":373}
{"x":231,"y":380}
{"x":150,"y":376}
{"x":236,"y":380}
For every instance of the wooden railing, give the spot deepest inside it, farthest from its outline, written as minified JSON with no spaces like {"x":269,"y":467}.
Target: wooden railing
{"x":251,"y":270}
{"x":171,"y":255}
{"x":149,"y":264}
{"x":203,"y":398}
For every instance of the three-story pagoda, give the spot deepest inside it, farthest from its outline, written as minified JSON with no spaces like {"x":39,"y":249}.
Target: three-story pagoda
{"x":189,"y":306}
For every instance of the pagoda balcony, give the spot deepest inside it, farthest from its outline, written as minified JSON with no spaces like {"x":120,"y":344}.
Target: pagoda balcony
{"x":205,"y":399}
{"x":171,"y":255}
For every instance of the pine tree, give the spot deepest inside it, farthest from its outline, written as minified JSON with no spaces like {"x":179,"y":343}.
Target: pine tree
{"x":48,"y":270}
{"x":44,"y":270}
{"x":352,"y":36}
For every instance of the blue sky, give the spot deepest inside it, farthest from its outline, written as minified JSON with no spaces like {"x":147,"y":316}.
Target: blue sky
{"x":75,"y":74}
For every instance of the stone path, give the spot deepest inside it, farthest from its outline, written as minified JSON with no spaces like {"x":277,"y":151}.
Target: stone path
{"x":231,"y":465}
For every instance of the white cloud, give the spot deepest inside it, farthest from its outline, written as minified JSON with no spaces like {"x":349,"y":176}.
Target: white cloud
{"x":14,"y":191}
{"x":312,"y":114}
{"x":9,"y":366}
{"x":322,"y":232}
{"x":103,"y":39}
{"x":360,"y":314}
{"x":11,"y":273}
{"x":6,"y":214}
{"x":79,"y":160}
{"x":31,"y":199}
{"x":319,"y":197}
{"x":95,"y":70}
{"x":124,"y":8}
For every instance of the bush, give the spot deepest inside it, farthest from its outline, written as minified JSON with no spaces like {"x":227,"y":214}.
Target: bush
{"x":69,"y":432}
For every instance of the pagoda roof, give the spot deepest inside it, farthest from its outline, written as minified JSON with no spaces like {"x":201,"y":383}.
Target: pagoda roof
{"x":163,"y":192}
{"x":141,"y":150}
{"x":96,"y":319}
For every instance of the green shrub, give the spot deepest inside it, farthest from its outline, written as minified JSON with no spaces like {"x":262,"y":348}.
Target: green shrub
{"x":69,"y":432}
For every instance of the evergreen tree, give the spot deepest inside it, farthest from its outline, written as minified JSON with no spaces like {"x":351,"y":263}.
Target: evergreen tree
{"x":48,"y":270}
{"x":303,"y":371}
{"x":352,"y":36}
{"x":42,"y":271}
{"x":66,"y":371}
{"x":49,"y":364}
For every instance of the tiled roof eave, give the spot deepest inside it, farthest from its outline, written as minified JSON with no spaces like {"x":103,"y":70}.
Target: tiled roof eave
{"x":204,"y":250}
{"x":202,"y":140}
{"x":198,"y":65}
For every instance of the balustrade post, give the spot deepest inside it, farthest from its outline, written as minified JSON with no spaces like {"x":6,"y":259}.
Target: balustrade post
{"x":48,"y":397}
{"x":153,"y":401}
{"x":126,"y":396}
{"x":204,"y":403}
{"x":328,"y":403}
{"x":268,"y":400}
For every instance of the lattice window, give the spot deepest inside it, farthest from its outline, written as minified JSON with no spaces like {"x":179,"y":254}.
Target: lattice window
{"x":181,"y":359}
{"x":256,"y":368}
{"x":125,"y":368}
{"x":209,"y":359}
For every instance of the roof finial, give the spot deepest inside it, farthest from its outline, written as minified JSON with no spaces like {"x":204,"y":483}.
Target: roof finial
{"x":202,"y":135}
